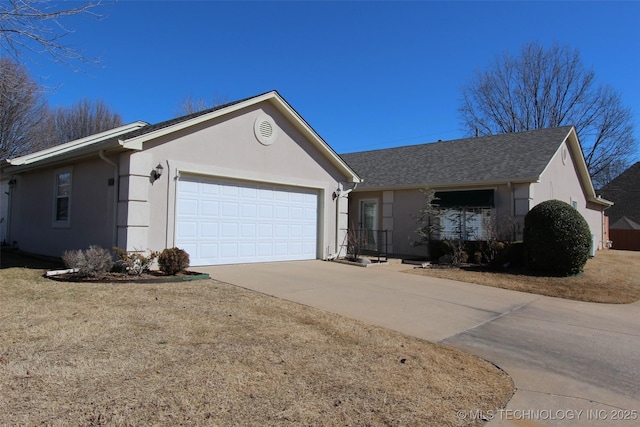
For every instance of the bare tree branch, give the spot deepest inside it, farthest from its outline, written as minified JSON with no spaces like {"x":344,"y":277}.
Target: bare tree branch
{"x":22,"y":108}
{"x":548,"y":88}
{"x":35,"y":28}
{"x":191,"y":105}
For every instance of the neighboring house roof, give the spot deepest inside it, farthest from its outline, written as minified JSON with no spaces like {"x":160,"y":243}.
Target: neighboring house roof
{"x":134,"y":135}
{"x":487,"y":160}
{"x":624,"y":191}
{"x":625,"y":223}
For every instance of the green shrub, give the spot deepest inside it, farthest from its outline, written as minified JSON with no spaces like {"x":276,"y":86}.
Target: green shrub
{"x":439,"y":248}
{"x":134,"y":263}
{"x":557,"y":239}
{"x":94,"y":262}
{"x":515,"y":254}
{"x":173,"y":260}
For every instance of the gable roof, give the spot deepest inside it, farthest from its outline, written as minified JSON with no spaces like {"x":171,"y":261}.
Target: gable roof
{"x":516,"y":157}
{"x":487,"y":160}
{"x":625,"y":192}
{"x":134,"y":135}
{"x":625,"y":223}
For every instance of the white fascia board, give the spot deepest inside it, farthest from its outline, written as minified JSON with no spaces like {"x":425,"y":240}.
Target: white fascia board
{"x":273,"y":97}
{"x":75,"y":145}
{"x":583,"y":171}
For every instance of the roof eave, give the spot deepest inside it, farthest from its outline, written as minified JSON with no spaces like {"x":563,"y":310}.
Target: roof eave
{"x":447,"y":185}
{"x":601,"y":201}
{"x":73,"y":149}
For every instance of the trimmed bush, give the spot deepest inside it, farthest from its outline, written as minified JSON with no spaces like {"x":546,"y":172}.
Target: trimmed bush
{"x":94,"y":262}
{"x":173,"y":260}
{"x":134,"y":263}
{"x":515,"y":254}
{"x":557,"y":239}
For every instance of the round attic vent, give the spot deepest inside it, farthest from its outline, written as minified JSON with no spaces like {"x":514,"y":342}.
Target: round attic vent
{"x":265,"y":130}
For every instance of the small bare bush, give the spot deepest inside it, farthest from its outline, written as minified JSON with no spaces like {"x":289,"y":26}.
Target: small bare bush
{"x":173,"y":260}
{"x":93,"y":262}
{"x":135,"y":263}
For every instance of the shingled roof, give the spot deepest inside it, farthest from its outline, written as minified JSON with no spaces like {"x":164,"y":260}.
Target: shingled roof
{"x":624,"y":191}
{"x":514,"y":157}
{"x":167,"y":123}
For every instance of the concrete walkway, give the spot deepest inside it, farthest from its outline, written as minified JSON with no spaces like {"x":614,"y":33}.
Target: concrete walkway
{"x":572,"y":363}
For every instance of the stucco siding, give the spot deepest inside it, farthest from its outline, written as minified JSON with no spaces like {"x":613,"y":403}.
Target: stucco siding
{"x":560,"y":181}
{"x":91,"y":209}
{"x":227,"y":147}
{"x":398,"y":210}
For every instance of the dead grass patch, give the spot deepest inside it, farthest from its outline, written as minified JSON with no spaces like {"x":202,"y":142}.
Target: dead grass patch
{"x":609,"y":277}
{"x":207,"y":353}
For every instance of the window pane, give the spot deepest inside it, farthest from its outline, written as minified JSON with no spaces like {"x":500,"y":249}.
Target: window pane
{"x":62,"y":209}
{"x":64,"y":184}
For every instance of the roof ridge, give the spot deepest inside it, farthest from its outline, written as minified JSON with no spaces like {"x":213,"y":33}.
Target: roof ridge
{"x":470,"y":138}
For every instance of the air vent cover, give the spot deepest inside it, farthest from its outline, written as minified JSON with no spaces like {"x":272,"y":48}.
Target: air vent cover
{"x":265,"y":130}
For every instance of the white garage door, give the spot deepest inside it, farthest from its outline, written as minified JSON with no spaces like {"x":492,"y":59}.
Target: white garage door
{"x":227,"y":222}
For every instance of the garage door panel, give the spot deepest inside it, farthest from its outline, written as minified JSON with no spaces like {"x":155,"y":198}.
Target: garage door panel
{"x":247,"y":250}
{"x":189,"y":187}
{"x":188,"y":229}
{"x":248,"y":231}
{"x":209,"y":229}
{"x":229,"y":229}
{"x":309,"y":232}
{"x":295,"y":231}
{"x":222,"y":222}
{"x":281,"y":212}
{"x":249,"y":211}
{"x":209,"y":208}
{"x":229,"y":250}
{"x":208,"y":250}
{"x":229,"y":210}
{"x":188,"y":206}
{"x":248,"y":193}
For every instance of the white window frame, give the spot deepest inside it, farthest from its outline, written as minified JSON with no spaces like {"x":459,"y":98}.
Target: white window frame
{"x":473,"y":227}
{"x":62,"y":223}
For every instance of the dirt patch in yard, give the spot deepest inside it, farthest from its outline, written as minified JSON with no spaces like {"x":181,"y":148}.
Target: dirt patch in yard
{"x":609,"y":277}
{"x":207,"y":353}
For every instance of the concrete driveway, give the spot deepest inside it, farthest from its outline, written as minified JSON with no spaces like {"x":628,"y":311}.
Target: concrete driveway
{"x":572,"y":363}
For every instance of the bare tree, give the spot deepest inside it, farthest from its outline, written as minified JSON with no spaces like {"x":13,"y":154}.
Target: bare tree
{"x":27,"y":123}
{"x":82,"y":119}
{"x":191,"y":105}
{"x":22,"y":108}
{"x":548,"y":88}
{"x":36,"y":28}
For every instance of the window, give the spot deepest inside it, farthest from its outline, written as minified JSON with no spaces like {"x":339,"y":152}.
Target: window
{"x":62,"y":202}
{"x":465,"y":223}
{"x":465,"y":214}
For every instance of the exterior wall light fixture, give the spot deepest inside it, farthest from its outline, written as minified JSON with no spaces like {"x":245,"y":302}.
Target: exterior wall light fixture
{"x":157,"y":172}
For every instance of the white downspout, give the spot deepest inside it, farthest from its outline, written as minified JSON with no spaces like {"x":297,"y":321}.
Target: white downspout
{"x":116,"y":194}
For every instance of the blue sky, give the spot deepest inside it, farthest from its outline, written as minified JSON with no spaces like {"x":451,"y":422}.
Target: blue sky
{"x":365,"y":75}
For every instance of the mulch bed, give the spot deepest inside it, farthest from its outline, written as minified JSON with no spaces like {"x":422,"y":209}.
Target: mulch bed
{"x":148,"y":277}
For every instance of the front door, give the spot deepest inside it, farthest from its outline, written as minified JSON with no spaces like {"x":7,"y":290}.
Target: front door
{"x":368,"y":224}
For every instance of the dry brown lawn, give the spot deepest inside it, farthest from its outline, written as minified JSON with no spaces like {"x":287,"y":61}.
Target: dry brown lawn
{"x":609,"y":277}
{"x":207,"y":353}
